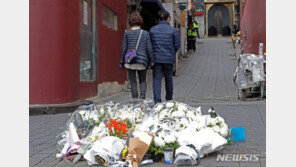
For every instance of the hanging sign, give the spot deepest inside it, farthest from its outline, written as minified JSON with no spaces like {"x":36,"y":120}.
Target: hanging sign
{"x":198,"y":13}
{"x":84,"y":13}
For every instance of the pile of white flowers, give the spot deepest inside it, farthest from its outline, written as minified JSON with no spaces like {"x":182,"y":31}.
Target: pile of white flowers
{"x":174,"y":121}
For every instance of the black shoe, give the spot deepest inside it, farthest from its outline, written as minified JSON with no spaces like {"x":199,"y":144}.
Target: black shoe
{"x":155,"y":102}
{"x":142,"y":97}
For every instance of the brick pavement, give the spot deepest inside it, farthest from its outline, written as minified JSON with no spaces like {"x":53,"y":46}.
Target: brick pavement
{"x":204,"y":79}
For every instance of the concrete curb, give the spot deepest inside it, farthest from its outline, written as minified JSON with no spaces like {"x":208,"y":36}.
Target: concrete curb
{"x":40,"y":109}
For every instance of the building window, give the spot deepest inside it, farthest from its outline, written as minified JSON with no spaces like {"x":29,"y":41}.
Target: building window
{"x":200,"y":5}
{"x":109,"y":18}
{"x":88,"y":40}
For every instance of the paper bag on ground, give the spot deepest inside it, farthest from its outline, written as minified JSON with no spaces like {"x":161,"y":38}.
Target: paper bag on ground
{"x":138,"y":146}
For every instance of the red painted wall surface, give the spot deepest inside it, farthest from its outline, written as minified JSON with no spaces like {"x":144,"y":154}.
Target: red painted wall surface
{"x":253,"y":26}
{"x":110,"y":43}
{"x":54,"y":51}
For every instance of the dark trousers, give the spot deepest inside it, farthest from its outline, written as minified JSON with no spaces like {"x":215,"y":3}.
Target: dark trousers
{"x":191,"y":43}
{"x":133,"y":82}
{"x":158,"y":70}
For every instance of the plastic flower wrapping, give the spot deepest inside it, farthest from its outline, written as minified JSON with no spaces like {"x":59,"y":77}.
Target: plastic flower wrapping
{"x":172,"y":123}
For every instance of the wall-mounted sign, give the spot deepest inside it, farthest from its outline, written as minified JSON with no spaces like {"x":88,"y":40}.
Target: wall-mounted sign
{"x":84,"y":13}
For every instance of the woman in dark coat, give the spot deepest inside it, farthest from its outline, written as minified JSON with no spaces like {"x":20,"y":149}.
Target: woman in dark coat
{"x":137,"y":39}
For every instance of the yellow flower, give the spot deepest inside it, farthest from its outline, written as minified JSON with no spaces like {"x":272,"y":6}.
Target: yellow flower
{"x":124,"y":152}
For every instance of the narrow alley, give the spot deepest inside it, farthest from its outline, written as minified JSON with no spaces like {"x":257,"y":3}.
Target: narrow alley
{"x":204,"y":79}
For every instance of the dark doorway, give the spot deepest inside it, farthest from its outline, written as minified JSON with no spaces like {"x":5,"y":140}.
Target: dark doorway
{"x":149,"y":12}
{"x":212,"y":31}
{"x":226,"y":31}
{"x":219,"y":18}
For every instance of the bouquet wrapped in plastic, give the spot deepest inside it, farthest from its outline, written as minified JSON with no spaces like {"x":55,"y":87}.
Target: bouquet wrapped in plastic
{"x":138,"y":146}
{"x":105,"y":151}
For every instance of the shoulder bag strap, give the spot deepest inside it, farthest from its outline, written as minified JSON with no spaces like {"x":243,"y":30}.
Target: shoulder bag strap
{"x":139,"y":39}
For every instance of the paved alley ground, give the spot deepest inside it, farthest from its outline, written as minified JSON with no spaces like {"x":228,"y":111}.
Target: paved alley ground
{"x":204,"y":79}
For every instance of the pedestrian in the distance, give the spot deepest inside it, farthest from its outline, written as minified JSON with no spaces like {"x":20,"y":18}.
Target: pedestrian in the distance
{"x":196,"y":26}
{"x":191,"y":38}
{"x":136,"y":55}
{"x":166,"y":42}
{"x":235,"y":28}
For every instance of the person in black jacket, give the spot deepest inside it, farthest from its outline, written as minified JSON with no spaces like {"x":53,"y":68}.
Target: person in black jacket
{"x":235,"y":28}
{"x":144,"y":53}
{"x":166,"y":42}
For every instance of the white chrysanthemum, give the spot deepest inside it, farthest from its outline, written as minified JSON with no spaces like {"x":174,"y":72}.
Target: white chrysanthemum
{"x":163,"y":112}
{"x":158,"y":107}
{"x":184,"y":121}
{"x":179,"y":126}
{"x":220,"y":119}
{"x":211,"y":121}
{"x":165,"y":127}
{"x":169,"y":105}
{"x":175,"y":134}
{"x":211,"y":111}
{"x":198,"y":128}
{"x":178,"y":113}
{"x":159,"y":142}
{"x":224,"y":131}
{"x":149,"y":122}
{"x":170,"y":139}
{"x":192,"y":116}
{"x":182,"y":107}
{"x":95,"y":117}
{"x":161,"y":134}
{"x":216,"y":129}
{"x":161,"y":116}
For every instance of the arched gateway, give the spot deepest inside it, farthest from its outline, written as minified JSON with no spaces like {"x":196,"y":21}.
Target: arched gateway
{"x":218,"y":20}
{"x":219,"y":17}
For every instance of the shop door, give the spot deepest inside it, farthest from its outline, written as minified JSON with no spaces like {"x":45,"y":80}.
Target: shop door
{"x":88,"y":40}
{"x":218,"y":21}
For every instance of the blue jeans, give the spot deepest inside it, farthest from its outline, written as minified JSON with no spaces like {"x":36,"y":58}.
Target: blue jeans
{"x":158,"y":70}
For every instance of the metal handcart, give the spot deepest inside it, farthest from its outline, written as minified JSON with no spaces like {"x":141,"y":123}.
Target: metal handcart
{"x":249,"y":77}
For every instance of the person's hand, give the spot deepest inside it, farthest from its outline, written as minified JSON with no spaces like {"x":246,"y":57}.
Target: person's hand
{"x":121,"y":66}
{"x":151,"y":66}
